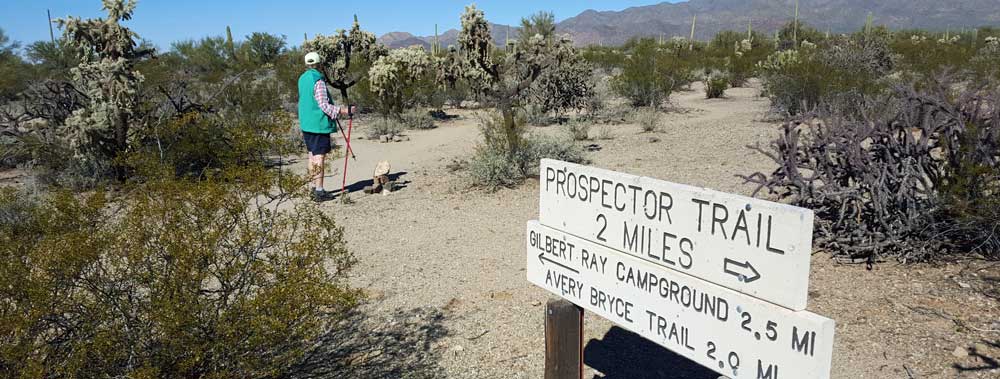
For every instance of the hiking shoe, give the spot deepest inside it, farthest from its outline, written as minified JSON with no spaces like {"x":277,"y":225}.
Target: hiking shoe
{"x":320,"y":196}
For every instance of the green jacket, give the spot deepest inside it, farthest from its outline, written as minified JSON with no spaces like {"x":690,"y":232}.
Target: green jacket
{"x":311,"y":117}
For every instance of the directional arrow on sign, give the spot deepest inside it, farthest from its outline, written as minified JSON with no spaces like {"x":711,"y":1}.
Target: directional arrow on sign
{"x":741,"y":270}
{"x":542,"y":258}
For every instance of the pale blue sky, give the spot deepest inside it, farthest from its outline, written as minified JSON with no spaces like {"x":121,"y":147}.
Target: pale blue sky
{"x":166,"y":21}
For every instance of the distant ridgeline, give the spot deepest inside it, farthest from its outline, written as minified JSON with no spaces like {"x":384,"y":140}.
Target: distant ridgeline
{"x":669,"y":20}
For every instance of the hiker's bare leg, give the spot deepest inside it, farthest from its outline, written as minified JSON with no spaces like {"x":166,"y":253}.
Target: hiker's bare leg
{"x":316,"y":168}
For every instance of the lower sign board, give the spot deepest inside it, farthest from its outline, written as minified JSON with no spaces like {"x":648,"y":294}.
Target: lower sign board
{"x":733,"y":334}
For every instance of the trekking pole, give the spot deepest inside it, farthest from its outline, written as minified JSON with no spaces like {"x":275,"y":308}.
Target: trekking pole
{"x":347,"y":143}
{"x":347,"y":148}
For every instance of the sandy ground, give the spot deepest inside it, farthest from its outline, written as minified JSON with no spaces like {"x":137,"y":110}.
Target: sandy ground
{"x":440,"y":243}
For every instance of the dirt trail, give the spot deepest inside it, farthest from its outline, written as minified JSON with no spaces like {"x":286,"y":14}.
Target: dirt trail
{"x":437,"y":243}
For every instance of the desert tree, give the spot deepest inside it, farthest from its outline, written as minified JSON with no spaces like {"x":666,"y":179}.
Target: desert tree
{"x":347,"y":55}
{"x":263,"y":48}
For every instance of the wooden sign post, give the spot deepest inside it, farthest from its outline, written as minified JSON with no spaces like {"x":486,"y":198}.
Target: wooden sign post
{"x":718,"y":278}
{"x":563,"y":340}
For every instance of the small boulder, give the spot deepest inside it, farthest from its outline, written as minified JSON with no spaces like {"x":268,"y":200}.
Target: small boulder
{"x":397,"y":139}
{"x":960,"y":352}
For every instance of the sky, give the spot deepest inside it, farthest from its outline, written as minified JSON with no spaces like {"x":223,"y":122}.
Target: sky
{"x":167,"y":21}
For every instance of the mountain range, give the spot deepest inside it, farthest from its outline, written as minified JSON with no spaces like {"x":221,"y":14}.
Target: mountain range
{"x":674,"y":19}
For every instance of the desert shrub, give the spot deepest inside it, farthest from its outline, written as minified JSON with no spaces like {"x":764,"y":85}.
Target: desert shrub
{"x":493,"y":169}
{"x":15,"y":74}
{"x":216,"y":278}
{"x":846,"y":73}
{"x":795,"y":33}
{"x":648,"y":119}
{"x":737,"y":53}
{"x":919,"y":176}
{"x":498,"y":162}
{"x":418,"y":119}
{"x":598,"y":104}
{"x":383,"y":126}
{"x":553,"y":147}
{"x":606,"y":59}
{"x":578,"y":130}
{"x":651,"y":73}
{"x":716,"y":84}
{"x":984,"y":63}
{"x":263,"y":48}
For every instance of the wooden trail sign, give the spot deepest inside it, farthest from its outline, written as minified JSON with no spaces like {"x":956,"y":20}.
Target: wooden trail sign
{"x":756,"y":247}
{"x":731,"y":333}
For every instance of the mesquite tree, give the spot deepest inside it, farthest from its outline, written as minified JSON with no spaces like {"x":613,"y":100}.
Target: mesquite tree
{"x":346,"y":55}
{"x":542,"y":69}
{"x":107,"y":76}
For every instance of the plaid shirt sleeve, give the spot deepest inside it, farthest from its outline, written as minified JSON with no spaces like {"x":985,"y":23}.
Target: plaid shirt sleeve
{"x":319,"y":92}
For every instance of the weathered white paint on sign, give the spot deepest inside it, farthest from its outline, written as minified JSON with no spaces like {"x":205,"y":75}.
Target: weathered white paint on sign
{"x":757,"y":247}
{"x":731,"y":333}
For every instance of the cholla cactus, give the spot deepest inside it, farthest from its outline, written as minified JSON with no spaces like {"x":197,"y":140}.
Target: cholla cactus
{"x":475,"y":44}
{"x":339,"y":49}
{"x":948,"y":40}
{"x":989,"y":54}
{"x":398,"y":66}
{"x":545,"y":70}
{"x":391,"y":74}
{"x":742,"y":47}
{"x":778,"y":61}
{"x":107,"y":75}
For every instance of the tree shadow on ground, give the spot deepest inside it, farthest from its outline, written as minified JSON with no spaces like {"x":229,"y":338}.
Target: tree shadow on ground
{"x":376,"y":346}
{"x":622,"y":354}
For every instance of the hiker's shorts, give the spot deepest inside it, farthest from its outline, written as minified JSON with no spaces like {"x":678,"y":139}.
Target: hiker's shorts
{"x":317,"y":144}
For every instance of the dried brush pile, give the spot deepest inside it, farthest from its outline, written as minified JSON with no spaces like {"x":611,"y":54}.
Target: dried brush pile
{"x":915,"y":177}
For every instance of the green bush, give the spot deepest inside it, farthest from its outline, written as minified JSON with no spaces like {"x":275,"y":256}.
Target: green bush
{"x":843,"y":73}
{"x":418,"y":119}
{"x":652,"y":72}
{"x":383,"y":126}
{"x":716,"y":84}
{"x":498,"y":162}
{"x":233,"y":276}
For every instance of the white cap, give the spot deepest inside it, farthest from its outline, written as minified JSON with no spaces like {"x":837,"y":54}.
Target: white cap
{"x":312,"y":58}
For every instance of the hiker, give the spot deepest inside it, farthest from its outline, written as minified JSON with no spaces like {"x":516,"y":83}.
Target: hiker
{"x":318,"y":120}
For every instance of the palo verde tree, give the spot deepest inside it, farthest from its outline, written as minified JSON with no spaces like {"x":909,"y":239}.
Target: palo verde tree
{"x":346,"y":55}
{"x":106,"y":74}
